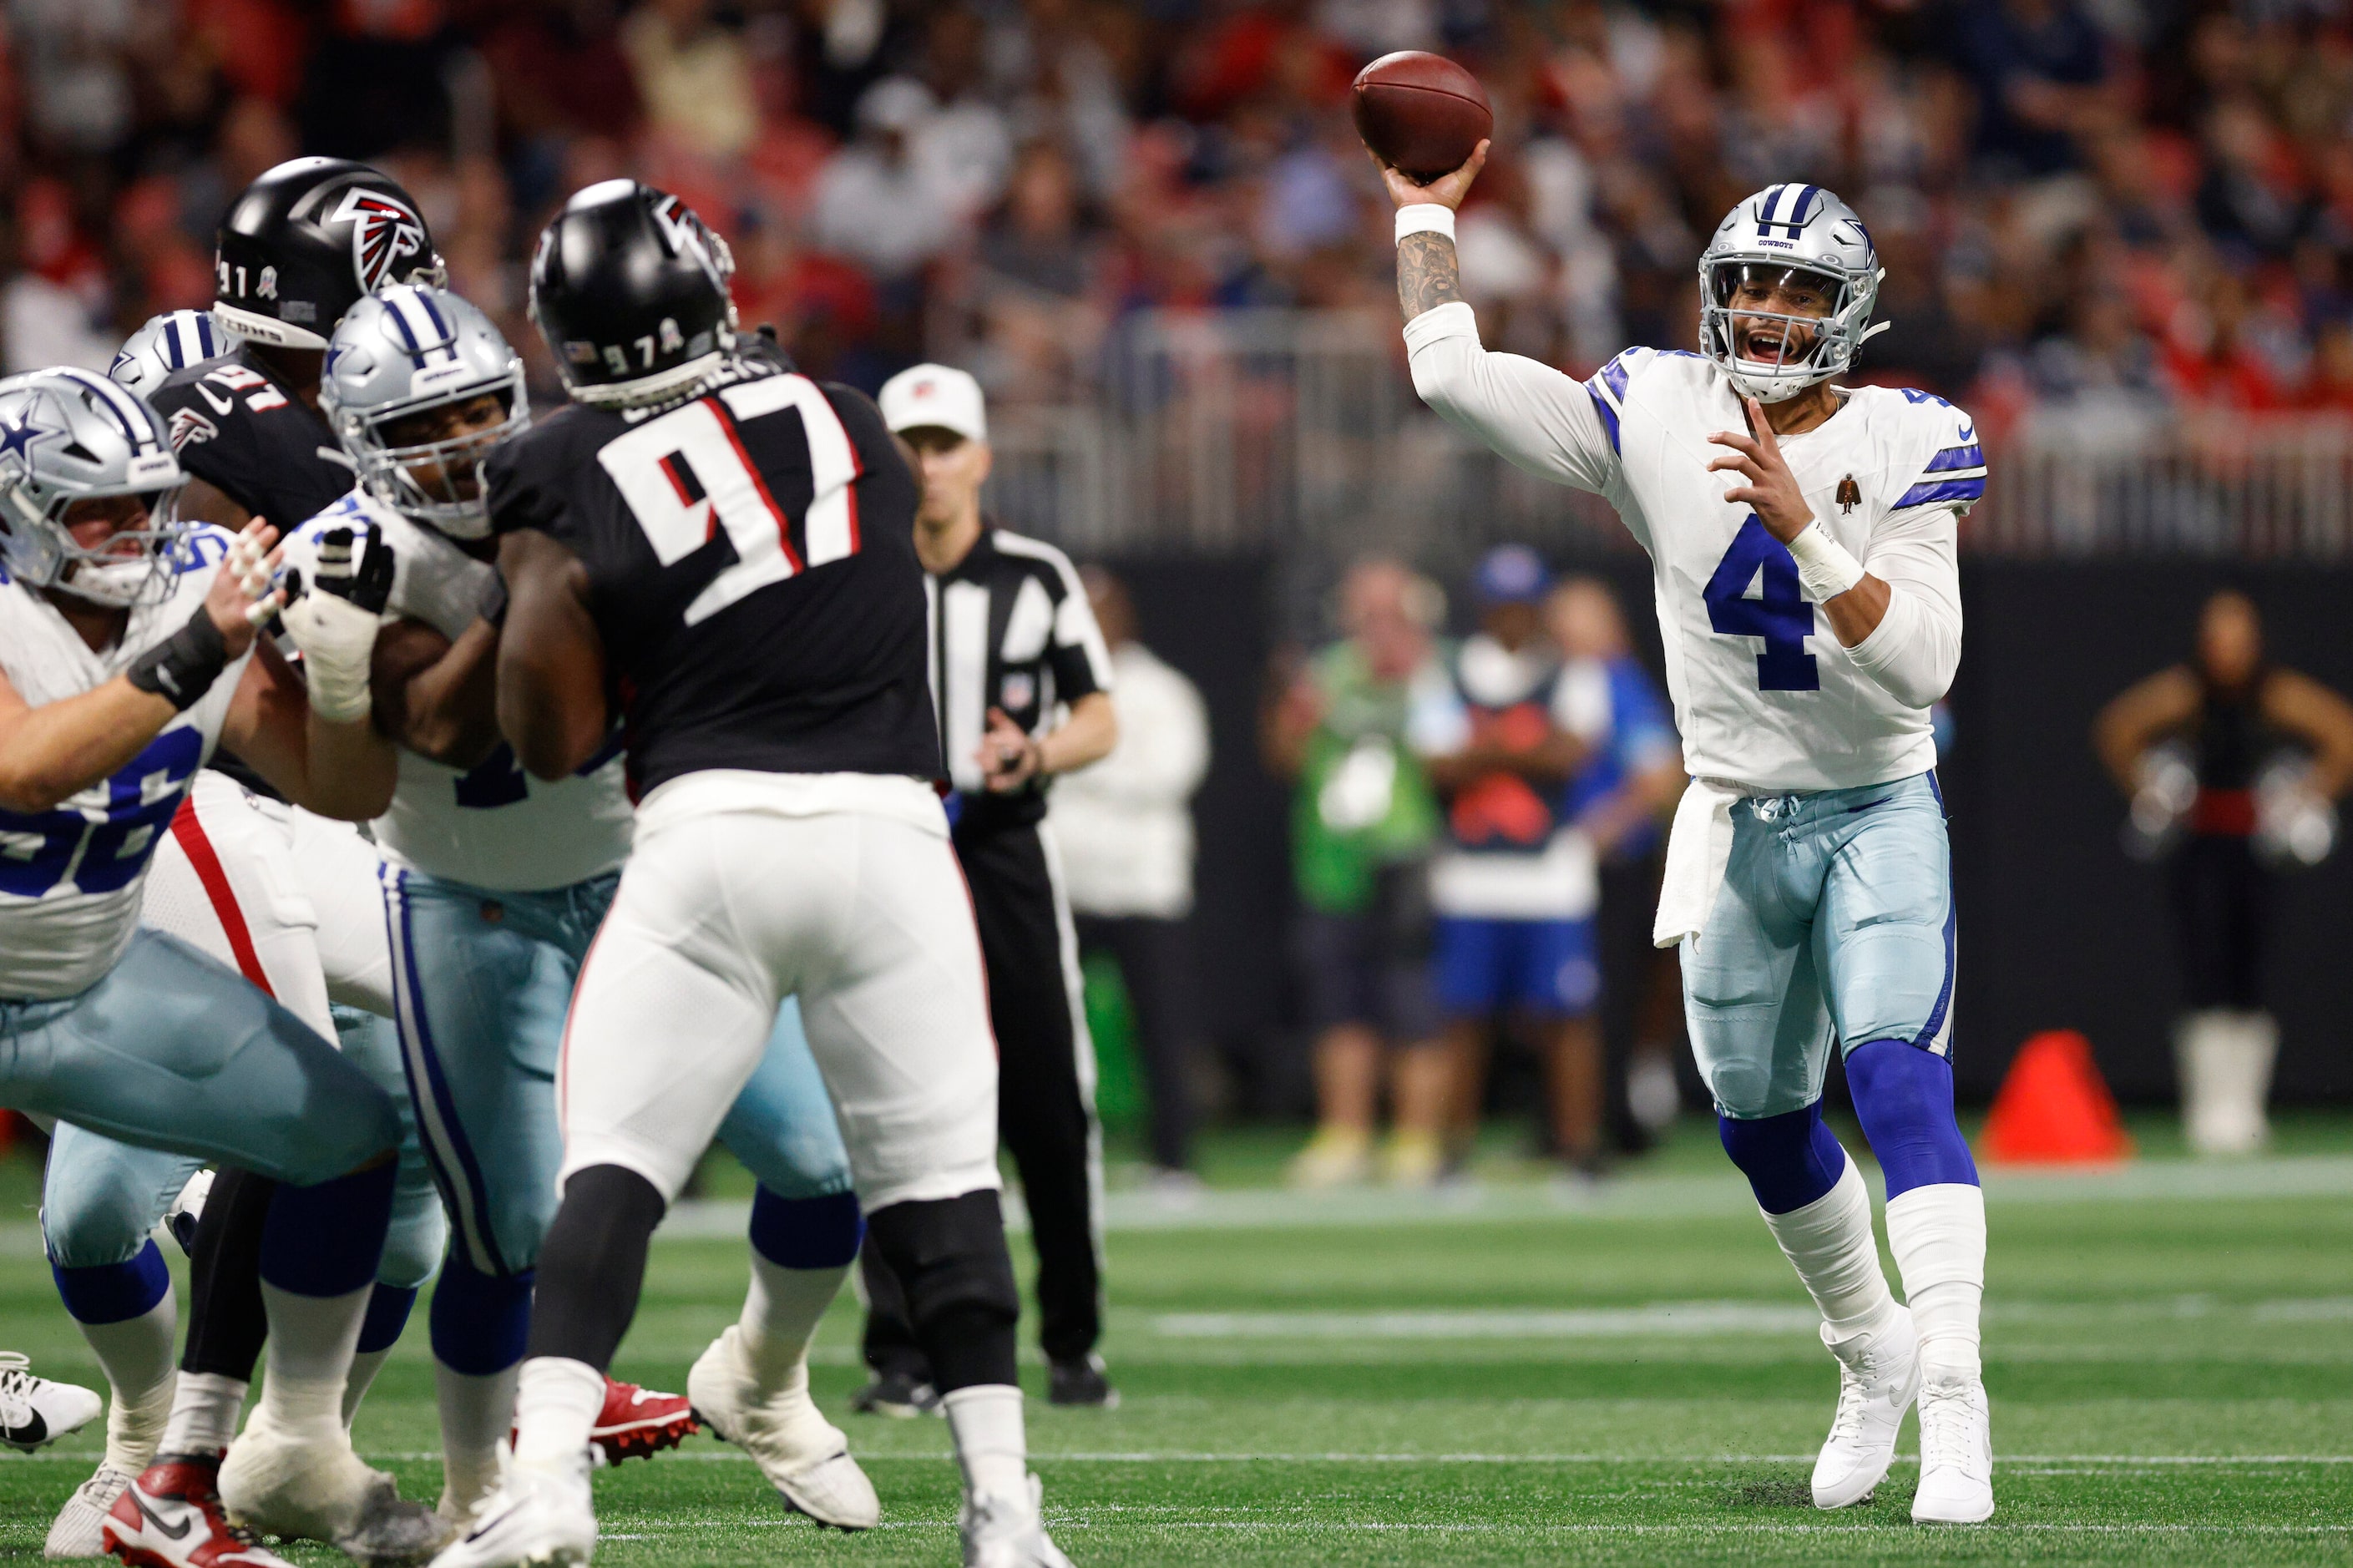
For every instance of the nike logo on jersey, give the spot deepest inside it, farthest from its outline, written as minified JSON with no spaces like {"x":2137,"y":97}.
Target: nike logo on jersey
{"x":167,"y":1532}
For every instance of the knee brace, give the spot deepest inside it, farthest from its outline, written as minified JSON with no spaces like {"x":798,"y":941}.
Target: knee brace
{"x":1789,"y":1160}
{"x":806,"y":1233}
{"x":950,"y":1258}
{"x":1904,"y":1097}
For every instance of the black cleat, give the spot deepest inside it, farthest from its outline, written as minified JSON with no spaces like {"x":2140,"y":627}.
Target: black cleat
{"x":1080,"y":1381}
{"x":900,"y":1395}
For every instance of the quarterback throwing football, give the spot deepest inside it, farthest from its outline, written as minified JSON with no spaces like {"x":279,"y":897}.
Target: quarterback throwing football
{"x":1801,"y":537}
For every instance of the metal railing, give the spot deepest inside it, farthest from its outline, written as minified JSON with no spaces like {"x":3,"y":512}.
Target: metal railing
{"x":1275,"y":432}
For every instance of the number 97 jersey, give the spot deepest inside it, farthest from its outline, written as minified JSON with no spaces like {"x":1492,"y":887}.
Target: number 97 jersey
{"x":1765,"y":695}
{"x":752,"y":572}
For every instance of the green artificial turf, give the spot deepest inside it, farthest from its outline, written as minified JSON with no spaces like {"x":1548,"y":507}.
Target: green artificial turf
{"x":1516,"y":1374}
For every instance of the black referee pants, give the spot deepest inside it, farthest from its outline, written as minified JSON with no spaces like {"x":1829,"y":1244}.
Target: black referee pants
{"x":1045,"y":1098}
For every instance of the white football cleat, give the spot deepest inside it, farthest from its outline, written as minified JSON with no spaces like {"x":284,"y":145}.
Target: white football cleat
{"x":1955,"y":1453}
{"x":75,"y":1532}
{"x":804,"y":1456}
{"x":1879,"y":1373}
{"x":536,"y":1517}
{"x":35,"y":1412}
{"x":1006,"y":1531}
{"x":306,"y":1484}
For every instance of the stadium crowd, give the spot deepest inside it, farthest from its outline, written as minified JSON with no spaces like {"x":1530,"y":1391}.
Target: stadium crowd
{"x":2117,"y":207}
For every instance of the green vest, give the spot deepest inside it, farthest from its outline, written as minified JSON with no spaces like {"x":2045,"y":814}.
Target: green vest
{"x":1363,"y":801}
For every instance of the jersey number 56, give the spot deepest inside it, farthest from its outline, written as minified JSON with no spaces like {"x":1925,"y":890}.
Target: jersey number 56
{"x":687,"y":475}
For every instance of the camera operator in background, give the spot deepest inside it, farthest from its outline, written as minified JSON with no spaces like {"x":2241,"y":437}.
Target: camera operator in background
{"x":2233,"y":764}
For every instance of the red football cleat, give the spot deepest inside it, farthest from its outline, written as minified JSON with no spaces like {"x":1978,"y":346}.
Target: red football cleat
{"x":171,"y":1518}
{"x":638,"y":1421}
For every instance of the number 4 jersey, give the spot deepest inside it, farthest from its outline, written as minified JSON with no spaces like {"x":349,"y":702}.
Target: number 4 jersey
{"x":752,"y":570}
{"x":1765,"y":696}
{"x":70,"y":877}
{"x":493,"y":826}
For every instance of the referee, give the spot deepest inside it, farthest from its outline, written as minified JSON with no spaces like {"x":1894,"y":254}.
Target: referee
{"x":1014,"y":649}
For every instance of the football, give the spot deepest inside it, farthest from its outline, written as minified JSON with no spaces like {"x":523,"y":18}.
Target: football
{"x":1421,"y":113}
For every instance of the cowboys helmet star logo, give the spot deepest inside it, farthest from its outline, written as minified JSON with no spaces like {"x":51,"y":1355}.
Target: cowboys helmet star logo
{"x":383,"y":230}
{"x":19,"y":435}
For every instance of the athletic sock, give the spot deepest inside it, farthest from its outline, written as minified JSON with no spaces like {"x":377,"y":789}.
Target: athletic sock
{"x":309,"y":1357}
{"x":137,"y":1355}
{"x":205,"y":1408}
{"x":387,"y":1314}
{"x":1830,"y":1244}
{"x":556,"y":1402}
{"x":992,"y":1447}
{"x":802,"y":1250}
{"x":476,"y":1411}
{"x":1939,"y":1236}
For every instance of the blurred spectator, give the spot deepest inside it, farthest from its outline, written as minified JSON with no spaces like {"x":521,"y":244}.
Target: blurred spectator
{"x":2232,"y":765}
{"x":694,"y":76}
{"x":1125,"y":829}
{"x":1618,"y":797}
{"x":877,"y":202}
{"x":1515,"y":887}
{"x":1363,"y":821}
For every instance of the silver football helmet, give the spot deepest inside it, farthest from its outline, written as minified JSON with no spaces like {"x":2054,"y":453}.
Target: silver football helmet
{"x":69,"y":435}
{"x":1782,"y":230}
{"x":403,"y":352}
{"x":172,"y":341}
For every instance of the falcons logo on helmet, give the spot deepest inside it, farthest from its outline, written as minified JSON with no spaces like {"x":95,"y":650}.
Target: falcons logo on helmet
{"x":689,"y":236}
{"x":383,"y":230}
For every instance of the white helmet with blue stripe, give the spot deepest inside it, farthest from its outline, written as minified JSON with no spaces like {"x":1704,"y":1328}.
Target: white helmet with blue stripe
{"x":409,"y":350}
{"x":172,"y":341}
{"x":66,"y":436}
{"x":1788,"y":235}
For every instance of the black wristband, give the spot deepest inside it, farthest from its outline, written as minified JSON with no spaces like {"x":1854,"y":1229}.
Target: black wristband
{"x":493,"y":605}
{"x":181,"y":667}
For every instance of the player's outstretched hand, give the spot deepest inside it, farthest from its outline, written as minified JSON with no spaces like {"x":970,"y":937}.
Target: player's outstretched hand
{"x":1007,"y":755}
{"x":334,"y":619}
{"x":1447,"y":190}
{"x":1772,"y":490}
{"x":243,"y":597}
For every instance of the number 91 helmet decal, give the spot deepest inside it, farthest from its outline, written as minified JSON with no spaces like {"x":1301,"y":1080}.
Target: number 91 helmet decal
{"x":69,"y":435}
{"x":400,"y":388}
{"x":629,"y":289}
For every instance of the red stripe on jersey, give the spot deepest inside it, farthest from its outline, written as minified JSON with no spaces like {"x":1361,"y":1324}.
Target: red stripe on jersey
{"x":189,"y":830}
{"x":735,"y":439}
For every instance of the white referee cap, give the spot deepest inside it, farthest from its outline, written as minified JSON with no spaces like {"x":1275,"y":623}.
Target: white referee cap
{"x":935,"y":394}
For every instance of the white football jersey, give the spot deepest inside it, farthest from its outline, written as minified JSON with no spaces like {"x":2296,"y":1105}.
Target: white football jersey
{"x":70,"y":877}
{"x":1765,"y":696}
{"x":493,"y":827}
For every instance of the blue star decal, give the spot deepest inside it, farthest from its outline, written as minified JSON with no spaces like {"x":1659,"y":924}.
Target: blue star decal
{"x":20,"y":434}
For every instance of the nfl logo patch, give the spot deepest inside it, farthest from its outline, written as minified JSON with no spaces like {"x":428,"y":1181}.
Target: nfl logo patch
{"x":1020,"y":687}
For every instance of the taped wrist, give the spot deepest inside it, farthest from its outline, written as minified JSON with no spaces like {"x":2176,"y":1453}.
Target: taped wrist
{"x":1824,"y":567}
{"x":1424,"y":217}
{"x":181,"y":667}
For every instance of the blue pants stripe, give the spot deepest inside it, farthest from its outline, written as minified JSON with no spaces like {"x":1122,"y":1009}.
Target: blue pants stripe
{"x":455,"y":1167}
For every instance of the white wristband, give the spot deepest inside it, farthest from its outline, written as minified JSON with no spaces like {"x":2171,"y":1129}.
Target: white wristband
{"x":1824,"y":567}
{"x":1424,"y":217}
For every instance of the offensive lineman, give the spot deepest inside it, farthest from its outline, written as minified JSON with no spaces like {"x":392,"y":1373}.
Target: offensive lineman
{"x":494,"y":886}
{"x":1807,"y":877}
{"x":106,"y":713}
{"x":731,"y":544}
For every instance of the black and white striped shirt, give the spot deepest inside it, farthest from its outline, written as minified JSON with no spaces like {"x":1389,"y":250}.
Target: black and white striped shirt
{"x":1010,"y":628}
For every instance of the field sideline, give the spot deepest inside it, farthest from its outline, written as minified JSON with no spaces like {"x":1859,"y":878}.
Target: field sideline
{"x":1513,"y":1374}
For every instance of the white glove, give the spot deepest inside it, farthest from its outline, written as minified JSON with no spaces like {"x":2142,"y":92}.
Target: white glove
{"x":334,"y":618}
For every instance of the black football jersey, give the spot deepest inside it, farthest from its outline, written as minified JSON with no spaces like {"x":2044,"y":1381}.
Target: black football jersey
{"x":247,"y":434}
{"x":752,"y":571}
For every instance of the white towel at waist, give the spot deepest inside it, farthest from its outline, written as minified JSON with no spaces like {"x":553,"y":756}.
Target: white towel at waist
{"x":1698,"y":848}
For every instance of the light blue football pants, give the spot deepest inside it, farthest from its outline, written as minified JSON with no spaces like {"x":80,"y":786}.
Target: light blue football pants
{"x":101,"y":1197}
{"x":1834,"y":922}
{"x":170,"y":1063}
{"x":481,"y":983}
